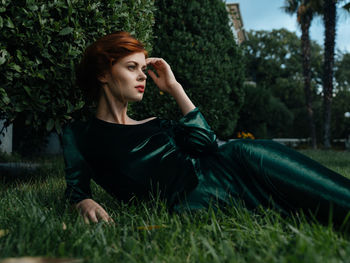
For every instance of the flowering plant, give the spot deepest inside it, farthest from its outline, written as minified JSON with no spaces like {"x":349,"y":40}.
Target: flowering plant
{"x":245,"y":135}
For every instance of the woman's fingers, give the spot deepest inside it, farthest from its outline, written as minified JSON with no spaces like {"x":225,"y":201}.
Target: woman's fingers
{"x":163,"y":76}
{"x":92,"y":211}
{"x":157,"y":63}
{"x":97,"y":216}
{"x":154,"y":60}
{"x":152,"y":74}
{"x":92,"y":216}
{"x":102,"y":214}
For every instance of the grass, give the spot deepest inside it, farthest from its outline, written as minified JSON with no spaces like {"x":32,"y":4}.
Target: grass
{"x":37,"y":222}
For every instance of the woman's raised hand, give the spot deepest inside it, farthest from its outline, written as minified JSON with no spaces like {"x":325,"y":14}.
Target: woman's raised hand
{"x":92,"y":211}
{"x":164,"y":79}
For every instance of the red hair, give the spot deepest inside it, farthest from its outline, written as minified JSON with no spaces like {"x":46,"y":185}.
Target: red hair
{"x":99,"y":57}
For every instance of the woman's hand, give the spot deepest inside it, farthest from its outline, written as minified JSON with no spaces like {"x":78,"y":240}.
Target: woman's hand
{"x":165,"y":80}
{"x":92,"y":211}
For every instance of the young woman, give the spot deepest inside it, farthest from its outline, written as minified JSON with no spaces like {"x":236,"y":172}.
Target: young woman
{"x":178,"y":160}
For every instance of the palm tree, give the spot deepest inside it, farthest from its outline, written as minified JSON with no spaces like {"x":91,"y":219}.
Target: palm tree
{"x":305,"y":10}
{"x":329,"y":17}
{"x":347,"y":7}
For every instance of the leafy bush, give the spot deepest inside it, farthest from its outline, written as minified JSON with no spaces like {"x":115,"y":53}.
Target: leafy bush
{"x":195,"y":38}
{"x":41,"y":41}
{"x":273,"y":61}
{"x":263,"y":114}
{"x":341,"y":123}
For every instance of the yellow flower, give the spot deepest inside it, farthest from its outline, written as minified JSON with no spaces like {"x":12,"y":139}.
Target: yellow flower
{"x":3,"y":232}
{"x":245,"y":135}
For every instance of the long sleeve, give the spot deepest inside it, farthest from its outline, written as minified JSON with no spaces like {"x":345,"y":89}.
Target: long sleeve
{"x":194,"y":135}
{"x":78,"y":173}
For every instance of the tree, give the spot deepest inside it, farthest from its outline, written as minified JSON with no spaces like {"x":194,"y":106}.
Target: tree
{"x":329,"y":17}
{"x":263,"y":114}
{"x":341,"y":123}
{"x":342,"y":73}
{"x":329,"y":14}
{"x":305,"y":10}
{"x":195,"y":38}
{"x":273,"y":61}
{"x":340,"y":127}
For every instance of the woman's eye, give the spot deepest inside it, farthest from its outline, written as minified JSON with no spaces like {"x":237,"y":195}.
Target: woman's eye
{"x":131,"y":67}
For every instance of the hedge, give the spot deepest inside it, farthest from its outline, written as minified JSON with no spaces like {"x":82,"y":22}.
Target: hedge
{"x":195,"y":38}
{"x":40,"y":44}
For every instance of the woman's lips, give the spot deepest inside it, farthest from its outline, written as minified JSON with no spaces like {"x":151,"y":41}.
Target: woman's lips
{"x":140,"y":88}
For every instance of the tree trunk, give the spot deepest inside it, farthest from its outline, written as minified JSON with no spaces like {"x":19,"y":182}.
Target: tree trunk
{"x":305,"y":23}
{"x":329,"y":8}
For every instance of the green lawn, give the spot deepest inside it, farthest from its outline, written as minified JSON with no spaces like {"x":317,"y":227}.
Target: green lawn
{"x":34,"y":221}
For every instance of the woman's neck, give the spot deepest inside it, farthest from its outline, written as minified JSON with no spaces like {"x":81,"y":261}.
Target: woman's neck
{"x":111,"y":110}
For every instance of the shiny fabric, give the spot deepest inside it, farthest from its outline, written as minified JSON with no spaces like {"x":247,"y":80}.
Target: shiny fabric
{"x":182,"y":162}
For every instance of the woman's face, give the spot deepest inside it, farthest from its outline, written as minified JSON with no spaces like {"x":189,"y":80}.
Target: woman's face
{"x":126,"y":80}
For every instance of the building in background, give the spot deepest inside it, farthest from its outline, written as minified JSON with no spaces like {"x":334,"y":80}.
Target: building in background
{"x":237,"y":22}
{"x":5,"y":137}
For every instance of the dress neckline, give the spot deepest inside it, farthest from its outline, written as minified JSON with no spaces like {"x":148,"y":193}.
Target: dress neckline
{"x":111,"y":124}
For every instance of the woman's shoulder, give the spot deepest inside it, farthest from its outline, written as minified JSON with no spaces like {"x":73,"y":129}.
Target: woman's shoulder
{"x":145,"y":120}
{"x":130,"y":122}
{"x":76,"y":126}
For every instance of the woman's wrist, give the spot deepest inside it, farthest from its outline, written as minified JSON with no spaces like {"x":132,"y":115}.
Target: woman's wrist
{"x":180,"y":96}
{"x":174,"y":89}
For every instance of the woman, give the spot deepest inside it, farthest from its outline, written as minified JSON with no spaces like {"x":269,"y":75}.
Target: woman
{"x":180,"y":161}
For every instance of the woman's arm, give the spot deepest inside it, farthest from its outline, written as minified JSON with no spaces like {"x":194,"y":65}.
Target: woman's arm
{"x":78,"y":176}
{"x":166,"y":82}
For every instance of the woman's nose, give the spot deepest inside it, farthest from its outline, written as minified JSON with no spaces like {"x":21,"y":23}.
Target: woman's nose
{"x":142,"y":76}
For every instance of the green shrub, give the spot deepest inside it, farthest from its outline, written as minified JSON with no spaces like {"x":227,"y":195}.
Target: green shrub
{"x":341,"y":123}
{"x":273,"y":61}
{"x":264,"y":115}
{"x":40,"y":44}
{"x":195,"y":38}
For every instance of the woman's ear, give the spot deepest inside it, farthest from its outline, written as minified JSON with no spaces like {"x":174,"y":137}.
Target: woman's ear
{"x":103,"y":78}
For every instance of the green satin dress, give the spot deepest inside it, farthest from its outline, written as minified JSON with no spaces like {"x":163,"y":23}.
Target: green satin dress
{"x":181,"y":162}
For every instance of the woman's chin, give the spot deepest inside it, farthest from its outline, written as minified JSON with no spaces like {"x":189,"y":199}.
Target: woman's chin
{"x":139,"y":98}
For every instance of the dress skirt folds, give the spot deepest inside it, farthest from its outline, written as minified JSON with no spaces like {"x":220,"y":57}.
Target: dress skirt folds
{"x":266,"y":173}
{"x":182,"y":162}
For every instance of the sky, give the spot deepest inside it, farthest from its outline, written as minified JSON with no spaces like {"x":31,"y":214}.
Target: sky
{"x":268,"y":15}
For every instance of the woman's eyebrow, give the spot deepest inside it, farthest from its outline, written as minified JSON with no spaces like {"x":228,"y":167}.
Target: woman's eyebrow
{"x":132,"y":61}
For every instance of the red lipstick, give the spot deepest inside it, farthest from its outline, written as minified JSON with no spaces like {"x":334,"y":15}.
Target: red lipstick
{"x":140,"y":88}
